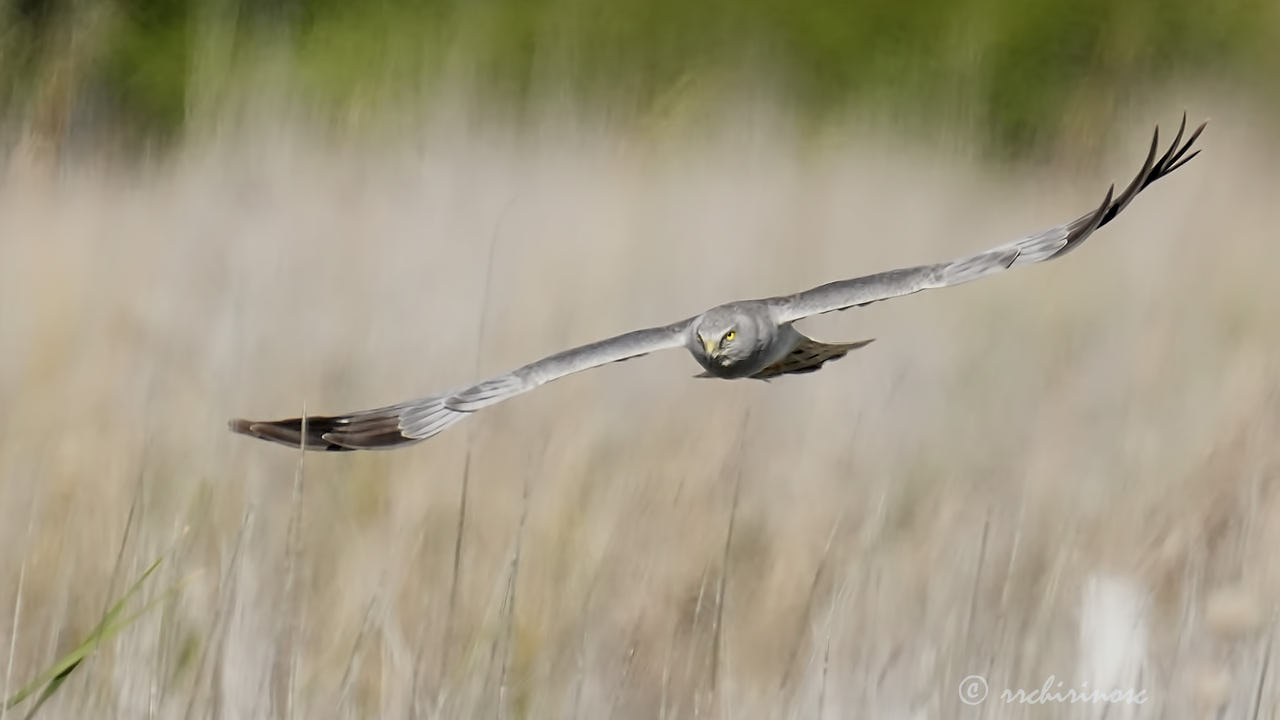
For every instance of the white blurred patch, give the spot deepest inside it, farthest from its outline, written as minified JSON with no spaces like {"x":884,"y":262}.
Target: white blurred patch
{"x":1113,"y":639}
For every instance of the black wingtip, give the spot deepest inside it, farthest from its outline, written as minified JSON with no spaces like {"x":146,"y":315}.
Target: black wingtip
{"x":297,"y":433}
{"x":1173,"y":146}
{"x":1187,"y":146}
{"x":368,"y":430}
{"x":1153,"y":169}
{"x":1184,"y":161}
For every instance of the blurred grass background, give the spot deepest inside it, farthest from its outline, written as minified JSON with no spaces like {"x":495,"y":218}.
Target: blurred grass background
{"x":1017,"y":77}
{"x":232,"y":209}
{"x":1015,"y":478}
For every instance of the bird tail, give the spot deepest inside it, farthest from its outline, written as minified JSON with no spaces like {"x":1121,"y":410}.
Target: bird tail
{"x":808,"y":356}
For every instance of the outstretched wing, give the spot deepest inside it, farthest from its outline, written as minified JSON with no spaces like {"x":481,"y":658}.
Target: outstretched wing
{"x":1051,"y":243}
{"x":416,"y":420}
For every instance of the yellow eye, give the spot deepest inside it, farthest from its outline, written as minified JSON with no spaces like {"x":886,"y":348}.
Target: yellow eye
{"x":729,"y":336}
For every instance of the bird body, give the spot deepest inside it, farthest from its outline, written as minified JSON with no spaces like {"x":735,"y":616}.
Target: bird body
{"x":740,"y":339}
{"x":743,"y":339}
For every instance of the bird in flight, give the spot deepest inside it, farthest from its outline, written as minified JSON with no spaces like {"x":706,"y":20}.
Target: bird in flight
{"x":743,"y":339}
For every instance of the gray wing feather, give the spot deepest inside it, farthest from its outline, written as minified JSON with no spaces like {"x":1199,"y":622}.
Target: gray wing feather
{"x":1046,"y":245}
{"x":417,"y":420}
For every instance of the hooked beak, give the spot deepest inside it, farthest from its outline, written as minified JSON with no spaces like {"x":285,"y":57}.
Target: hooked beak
{"x":710,"y":346}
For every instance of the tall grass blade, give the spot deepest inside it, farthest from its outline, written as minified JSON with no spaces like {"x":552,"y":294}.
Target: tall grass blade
{"x":107,"y":628}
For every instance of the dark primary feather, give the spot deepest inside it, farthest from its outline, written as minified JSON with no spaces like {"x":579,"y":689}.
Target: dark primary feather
{"x":1046,"y":245}
{"x":370,"y":429}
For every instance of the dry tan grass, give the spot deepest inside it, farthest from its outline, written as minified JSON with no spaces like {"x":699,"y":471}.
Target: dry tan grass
{"x":1014,"y":473}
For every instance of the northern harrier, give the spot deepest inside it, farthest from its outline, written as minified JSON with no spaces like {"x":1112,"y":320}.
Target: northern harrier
{"x":744,"y":339}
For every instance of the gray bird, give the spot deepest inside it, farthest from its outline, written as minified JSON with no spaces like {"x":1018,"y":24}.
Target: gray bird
{"x":744,"y":339}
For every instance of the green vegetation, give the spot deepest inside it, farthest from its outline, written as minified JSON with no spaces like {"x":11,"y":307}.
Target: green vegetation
{"x":1026,"y":71}
{"x":111,"y":624}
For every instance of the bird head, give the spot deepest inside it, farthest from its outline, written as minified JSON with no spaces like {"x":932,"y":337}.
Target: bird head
{"x":724,"y":337}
